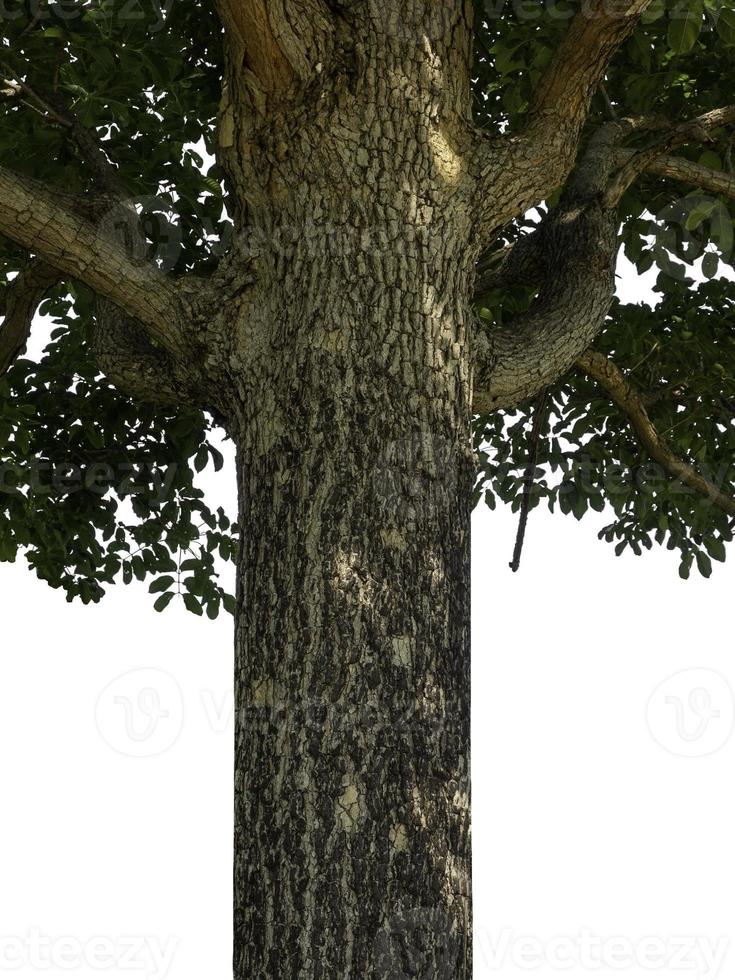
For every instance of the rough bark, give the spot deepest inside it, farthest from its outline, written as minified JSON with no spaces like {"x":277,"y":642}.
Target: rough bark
{"x":18,"y":306}
{"x":571,"y":259}
{"x":336,"y":341}
{"x":352,"y":420}
{"x":516,"y":171}
{"x":64,"y":237}
{"x":687,"y":172}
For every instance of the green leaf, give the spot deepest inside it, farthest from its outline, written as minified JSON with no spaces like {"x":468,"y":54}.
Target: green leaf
{"x":201,"y":459}
{"x":699,"y":212}
{"x":725,"y":24}
{"x":685,"y":27}
{"x":716,"y":548}
{"x":161,"y":584}
{"x":704,"y":564}
{"x":710,"y":265}
{"x":162,"y":601}
{"x":193,"y":604}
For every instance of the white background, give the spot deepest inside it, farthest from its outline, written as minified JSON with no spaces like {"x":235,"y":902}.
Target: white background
{"x":604,"y":800}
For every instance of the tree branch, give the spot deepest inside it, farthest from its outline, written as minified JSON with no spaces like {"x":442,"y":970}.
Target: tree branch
{"x":695,"y":129}
{"x":517,"y":171}
{"x":578,"y":66}
{"x":631,"y":402}
{"x":127,"y":358}
{"x":34,"y":218}
{"x":58,"y":113}
{"x":517,"y":264}
{"x":573,"y":256}
{"x":18,"y":306}
{"x":681,"y":169}
{"x":677,"y":168}
{"x":279,"y":42}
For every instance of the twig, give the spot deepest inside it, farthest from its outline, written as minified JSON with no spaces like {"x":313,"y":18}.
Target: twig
{"x":539,"y":417}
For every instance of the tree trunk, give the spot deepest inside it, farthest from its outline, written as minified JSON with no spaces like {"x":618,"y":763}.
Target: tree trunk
{"x":352,"y":657}
{"x":352,"y":372}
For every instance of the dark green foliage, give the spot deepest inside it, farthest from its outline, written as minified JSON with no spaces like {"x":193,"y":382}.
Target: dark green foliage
{"x":96,"y":487}
{"x":679,"y":64}
{"x":683,"y":354}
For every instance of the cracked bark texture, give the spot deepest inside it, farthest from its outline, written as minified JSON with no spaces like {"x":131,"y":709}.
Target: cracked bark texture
{"x":335,"y":341}
{"x":571,"y":259}
{"x":352,"y":848}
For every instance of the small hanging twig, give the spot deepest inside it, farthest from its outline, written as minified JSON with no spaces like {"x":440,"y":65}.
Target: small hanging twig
{"x":539,"y":417}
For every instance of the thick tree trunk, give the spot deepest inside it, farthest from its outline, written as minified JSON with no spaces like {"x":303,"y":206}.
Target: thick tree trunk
{"x":352,"y":658}
{"x":351,"y":365}
{"x":352,"y":679}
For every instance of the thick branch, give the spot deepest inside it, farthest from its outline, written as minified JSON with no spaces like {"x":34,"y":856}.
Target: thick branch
{"x":518,"y":264}
{"x":646,"y":159}
{"x":631,"y":402}
{"x":572,"y":255}
{"x":278,"y":41}
{"x":126,"y":356}
{"x":18,"y":306}
{"x":33,"y":218}
{"x":516,"y":172}
{"x":677,"y":168}
{"x":563,"y":95}
{"x":517,"y":360}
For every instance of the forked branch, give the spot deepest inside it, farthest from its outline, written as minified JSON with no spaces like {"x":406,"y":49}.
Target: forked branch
{"x":646,"y":159}
{"x":34,"y":218}
{"x":631,"y":402}
{"x":517,"y":172}
{"x":571,"y":258}
{"x":18,"y":305}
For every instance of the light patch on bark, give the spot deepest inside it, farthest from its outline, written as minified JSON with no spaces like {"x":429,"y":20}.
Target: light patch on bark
{"x":392,"y":538}
{"x":399,"y":838}
{"x":227,"y":128}
{"x":264,"y":694}
{"x":348,"y":808}
{"x":350,"y":573}
{"x":402,"y":651}
{"x":447,"y":161}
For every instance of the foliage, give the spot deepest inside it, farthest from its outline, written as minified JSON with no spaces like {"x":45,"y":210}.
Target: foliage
{"x":94,"y":487}
{"x":683,"y":352}
{"x":145,"y":75}
{"x":679,"y":64}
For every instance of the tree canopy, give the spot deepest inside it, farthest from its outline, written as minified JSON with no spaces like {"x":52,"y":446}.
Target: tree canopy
{"x":118,"y":99}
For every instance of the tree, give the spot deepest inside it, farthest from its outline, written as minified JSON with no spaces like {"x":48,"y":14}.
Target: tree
{"x":402,"y":259}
